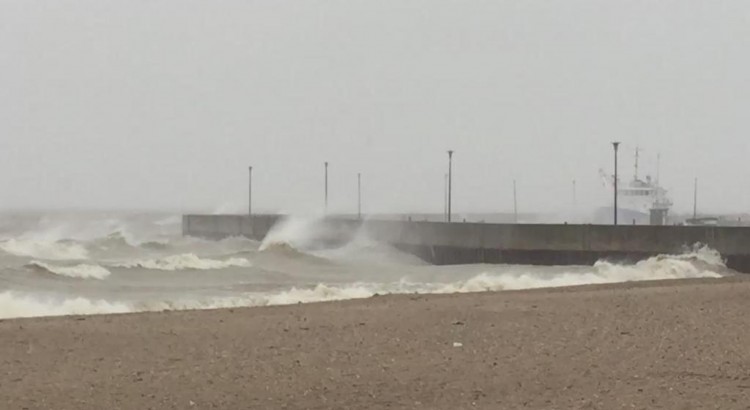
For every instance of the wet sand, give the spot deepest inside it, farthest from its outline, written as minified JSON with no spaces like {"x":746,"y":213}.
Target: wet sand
{"x":670,"y":344}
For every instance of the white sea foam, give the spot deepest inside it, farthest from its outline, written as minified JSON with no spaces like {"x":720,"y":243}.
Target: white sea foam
{"x":320,"y":293}
{"x":43,"y":249}
{"x":699,"y":263}
{"x":23,"y":305}
{"x":82,"y":271}
{"x":185,"y":261}
{"x":293,"y":231}
{"x":171,"y":220}
{"x":13,"y":305}
{"x":135,"y":229}
{"x":18,"y":305}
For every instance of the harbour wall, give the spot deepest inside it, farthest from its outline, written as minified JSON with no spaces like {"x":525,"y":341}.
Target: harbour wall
{"x":463,"y":243}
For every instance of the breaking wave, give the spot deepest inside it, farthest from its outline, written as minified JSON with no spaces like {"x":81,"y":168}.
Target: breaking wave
{"x":307,"y":233}
{"x":186,"y":261}
{"x":291,"y":232}
{"x":101,"y":246}
{"x":14,"y":305}
{"x":43,"y":249}
{"x":320,"y":293}
{"x":82,"y":271}
{"x":115,"y":240}
{"x":700,"y":263}
{"x":287,"y":252}
{"x":88,"y":226}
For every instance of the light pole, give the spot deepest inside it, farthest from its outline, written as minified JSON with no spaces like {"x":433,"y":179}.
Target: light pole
{"x":359,"y":196}
{"x":450,"y":182}
{"x":445,"y":198}
{"x":695,"y":200}
{"x":515,"y":203}
{"x":575,"y":199}
{"x":250,"y":193}
{"x":615,"y":145}
{"x":326,"y":189}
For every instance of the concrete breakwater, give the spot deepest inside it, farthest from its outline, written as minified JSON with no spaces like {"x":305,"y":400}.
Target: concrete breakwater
{"x":464,"y":243}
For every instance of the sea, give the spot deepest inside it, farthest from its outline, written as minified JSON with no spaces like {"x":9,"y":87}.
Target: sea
{"x":85,"y":263}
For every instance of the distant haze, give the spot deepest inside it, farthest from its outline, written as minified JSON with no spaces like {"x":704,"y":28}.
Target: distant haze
{"x":164,"y":104}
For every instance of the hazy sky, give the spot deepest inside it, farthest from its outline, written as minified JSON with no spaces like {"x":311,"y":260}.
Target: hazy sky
{"x":135,"y":104}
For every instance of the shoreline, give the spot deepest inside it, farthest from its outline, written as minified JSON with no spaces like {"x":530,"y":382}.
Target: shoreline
{"x":728,"y":277}
{"x":666,"y":343}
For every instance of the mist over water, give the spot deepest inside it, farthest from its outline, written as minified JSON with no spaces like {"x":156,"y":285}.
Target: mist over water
{"x":89,"y":263}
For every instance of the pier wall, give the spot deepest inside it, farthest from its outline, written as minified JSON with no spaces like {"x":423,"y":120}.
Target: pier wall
{"x":226,"y":226}
{"x":462,"y":243}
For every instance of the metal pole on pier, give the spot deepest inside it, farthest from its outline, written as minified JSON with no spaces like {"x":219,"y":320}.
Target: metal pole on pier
{"x":575,"y":195}
{"x":359,"y":195}
{"x":445,"y":198}
{"x":326,"y":189}
{"x":515,"y":203}
{"x":615,"y":145}
{"x":450,"y":183}
{"x":695,"y":199}
{"x":250,"y":193}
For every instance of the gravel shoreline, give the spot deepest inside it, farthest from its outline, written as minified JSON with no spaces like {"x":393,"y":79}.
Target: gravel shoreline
{"x":665,"y":344}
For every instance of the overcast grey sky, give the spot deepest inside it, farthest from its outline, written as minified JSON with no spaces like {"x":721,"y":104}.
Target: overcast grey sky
{"x":134,"y":104}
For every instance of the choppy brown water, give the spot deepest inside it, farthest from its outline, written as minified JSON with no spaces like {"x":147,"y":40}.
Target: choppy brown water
{"x":88,"y":263}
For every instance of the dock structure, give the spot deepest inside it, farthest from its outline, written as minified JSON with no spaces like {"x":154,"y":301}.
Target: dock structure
{"x":443,"y":243}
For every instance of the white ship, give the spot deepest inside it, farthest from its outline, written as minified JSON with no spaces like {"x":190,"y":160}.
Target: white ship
{"x":638,"y":201}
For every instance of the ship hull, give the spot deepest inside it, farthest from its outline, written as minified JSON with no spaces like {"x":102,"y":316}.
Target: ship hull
{"x":605,"y":216}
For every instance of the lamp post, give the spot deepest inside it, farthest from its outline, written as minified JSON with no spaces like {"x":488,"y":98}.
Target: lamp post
{"x":445,"y":197}
{"x":515,"y":203}
{"x":450,"y":183}
{"x":615,"y":145}
{"x":359,"y":196}
{"x":695,"y":200}
{"x":250,"y":193}
{"x":326,"y":189}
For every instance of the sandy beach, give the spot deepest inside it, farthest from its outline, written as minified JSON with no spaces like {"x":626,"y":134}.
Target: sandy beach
{"x":668,"y":344}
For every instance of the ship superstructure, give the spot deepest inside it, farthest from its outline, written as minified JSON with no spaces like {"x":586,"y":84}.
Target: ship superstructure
{"x":640,"y":199}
